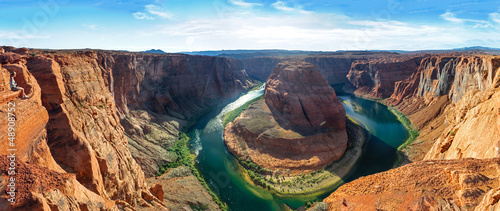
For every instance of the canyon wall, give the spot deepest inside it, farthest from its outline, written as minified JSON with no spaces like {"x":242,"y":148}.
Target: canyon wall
{"x":453,"y":100}
{"x":436,"y":92}
{"x":158,"y":95}
{"x":70,"y":129}
{"x":260,"y":67}
{"x":333,"y":66}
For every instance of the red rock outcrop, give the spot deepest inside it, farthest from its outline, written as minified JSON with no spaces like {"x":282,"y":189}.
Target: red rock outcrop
{"x":40,"y":188}
{"x":301,"y":99}
{"x":470,"y":133}
{"x":427,"y":185}
{"x":31,"y":146}
{"x":298,"y":127}
{"x":31,"y":117}
{"x":376,"y":78}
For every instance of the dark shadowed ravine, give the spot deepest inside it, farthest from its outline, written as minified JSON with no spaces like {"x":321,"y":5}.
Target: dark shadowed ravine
{"x":223,"y":174}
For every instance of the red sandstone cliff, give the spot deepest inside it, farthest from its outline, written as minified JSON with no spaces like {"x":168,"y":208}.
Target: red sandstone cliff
{"x":467,"y":184}
{"x":300,"y":98}
{"x":69,"y":130}
{"x":453,"y":100}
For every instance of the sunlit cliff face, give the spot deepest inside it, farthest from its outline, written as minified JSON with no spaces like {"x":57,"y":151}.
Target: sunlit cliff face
{"x":497,"y":107}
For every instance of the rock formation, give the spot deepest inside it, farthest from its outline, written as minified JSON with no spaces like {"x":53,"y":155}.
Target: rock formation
{"x":453,"y":99}
{"x":333,"y":66}
{"x":301,"y":99}
{"x":298,"y":126}
{"x":70,"y":130}
{"x":376,"y":78}
{"x":465,"y":184}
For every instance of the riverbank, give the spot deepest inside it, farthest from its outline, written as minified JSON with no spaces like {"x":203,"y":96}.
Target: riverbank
{"x":312,"y":184}
{"x":412,"y":131}
{"x":186,"y":159}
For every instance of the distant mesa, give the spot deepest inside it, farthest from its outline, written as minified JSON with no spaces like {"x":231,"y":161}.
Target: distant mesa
{"x":299,"y":126}
{"x":156,"y":51}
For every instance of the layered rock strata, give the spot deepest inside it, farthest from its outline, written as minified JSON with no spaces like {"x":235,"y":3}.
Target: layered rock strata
{"x":299,"y":126}
{"x":453,"y":99}
{"x":71,"y":127}
{"x":467,"y":184}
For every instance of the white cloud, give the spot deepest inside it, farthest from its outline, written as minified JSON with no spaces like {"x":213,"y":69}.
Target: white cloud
{"x":158,"y":11}
{"x":151,"y":11}
{"x":448,"y":16}
{"x":242,"y":3}
{"x":495,"y":17}
{"x":314,"y":31}
{"x":141,"y":16}
{"x":281,"y":5}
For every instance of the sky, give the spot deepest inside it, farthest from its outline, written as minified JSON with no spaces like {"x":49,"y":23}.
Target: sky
{"x":195,"y":25}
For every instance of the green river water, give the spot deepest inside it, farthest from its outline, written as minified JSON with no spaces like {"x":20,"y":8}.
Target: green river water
{"x":223,"y":174}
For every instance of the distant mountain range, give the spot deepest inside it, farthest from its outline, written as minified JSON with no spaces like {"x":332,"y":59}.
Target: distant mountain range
{"x":242,"y":54}
{"x":476,"y":48}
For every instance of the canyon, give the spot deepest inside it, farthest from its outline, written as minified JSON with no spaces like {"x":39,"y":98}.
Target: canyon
{"x":97,"y":123}
{"x":452,"y":99}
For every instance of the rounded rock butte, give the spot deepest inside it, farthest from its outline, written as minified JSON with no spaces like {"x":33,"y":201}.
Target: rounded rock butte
{"x":299,"y":126}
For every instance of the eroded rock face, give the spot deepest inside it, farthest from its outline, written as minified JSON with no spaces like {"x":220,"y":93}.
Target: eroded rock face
{"x":428,"y":185}
{"x":40,"y":188}
{"x":376,"y":78}
{"x":470,"y":132}
{"x":84,"y":132}
{"x":431,"y":94}
{"x":158,"y":95}
{"x":301,"y":99}
{"x":71,"y":123}
{"x":298,"y":127}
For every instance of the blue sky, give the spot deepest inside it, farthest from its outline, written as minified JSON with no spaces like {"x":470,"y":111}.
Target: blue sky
{"x":192,"y":25}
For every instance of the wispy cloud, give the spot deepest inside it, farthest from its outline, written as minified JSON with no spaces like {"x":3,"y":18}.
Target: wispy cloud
{"x":495,"y":17}
{"x":90,"y":26}
{"x":448,"y":16}
{"x":242,"y":3}
{"x":307,"y":33}
{"x":141,"y":16}
{"x":283,"y":6}
{"x":151,"y":12}
{"x":158,"y":11}
{"x":451,"y":17}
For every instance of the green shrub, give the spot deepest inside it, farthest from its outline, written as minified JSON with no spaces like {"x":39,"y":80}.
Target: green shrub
{"x":185,"y":158}
{"x":231,"y":116}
